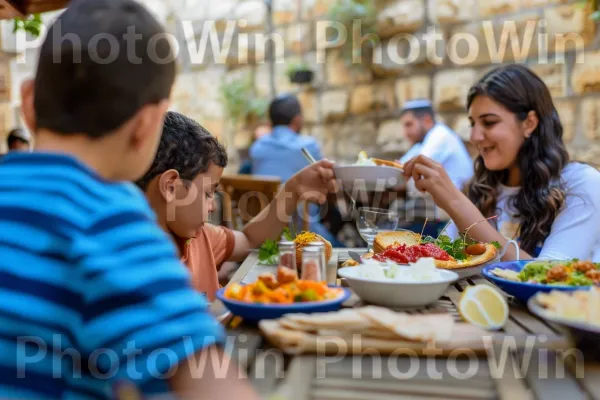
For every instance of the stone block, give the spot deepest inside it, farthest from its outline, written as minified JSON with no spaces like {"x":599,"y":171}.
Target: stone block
{"x":308,"y":101}
{"x":339,"y":73}
{"x":312,"y":9}
{"x":569,"y":27}
{"x":452,"y":11}
{"x":400,"y":16}
{"x":415,"y":87}
{"x":393,"y":57}
{"x":361,"y":100}
{"x":585,"y":77}
{"x":251,"y":15}
{"x":390,"y":137}
{"x":462,"y":127}
{"x":299,"y":37}
{"x":566,"y":109}
{"x":485,"y":42}
{"x":450,"y":88}
{"x":554,"y":76}
{"x":384,"y":96}
{"x":285,"y":11}
{"x":541,"y":3}
{"x":334,"y":104}
{"x":356,"y":137}
{"x":590,"y":117}
{"x":491,"y":8}
{"x":323,"y":135}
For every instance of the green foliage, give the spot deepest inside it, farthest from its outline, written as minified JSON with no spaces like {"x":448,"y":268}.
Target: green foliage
{"x":239,"y":100}
{"x":295,"y":67}
{"x":268,"y":253}
{"x":595,"y":8}
{"x":455,"y":248}
{"x":347,"y":12}
{"x":31,"y":24}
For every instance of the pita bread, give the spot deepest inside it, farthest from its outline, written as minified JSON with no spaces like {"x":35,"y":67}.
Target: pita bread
{"x":384,"y":240}
{"x":387,"y":163}
{"x":421,"y":328}
{"x":473,"y":261}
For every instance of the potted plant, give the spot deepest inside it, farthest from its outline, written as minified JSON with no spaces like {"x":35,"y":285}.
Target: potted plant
{"x":347,"y":12}
{"x":300,"y":73}
{"x":241,"y":104}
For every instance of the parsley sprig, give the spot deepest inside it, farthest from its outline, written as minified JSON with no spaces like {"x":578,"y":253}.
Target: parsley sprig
{"x":268,"y":253}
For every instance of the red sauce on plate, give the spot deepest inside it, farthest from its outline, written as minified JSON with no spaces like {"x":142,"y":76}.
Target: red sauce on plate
{"x":404,"y":254}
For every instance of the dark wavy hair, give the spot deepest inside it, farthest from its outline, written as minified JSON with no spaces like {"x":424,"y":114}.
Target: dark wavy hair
{"x":186,"y":147}
{"x":541,"y":159}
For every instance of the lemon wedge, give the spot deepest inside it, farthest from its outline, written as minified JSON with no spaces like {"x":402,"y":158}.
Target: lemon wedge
{"x":483,"y":306}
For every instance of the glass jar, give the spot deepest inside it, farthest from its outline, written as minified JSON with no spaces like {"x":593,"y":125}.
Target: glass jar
{"x":287,"y":255}
{"x":321,"y":247}
{"x":311,"y":265}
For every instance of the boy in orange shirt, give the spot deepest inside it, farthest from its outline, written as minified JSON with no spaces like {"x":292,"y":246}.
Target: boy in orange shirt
{"x":181,"y":185}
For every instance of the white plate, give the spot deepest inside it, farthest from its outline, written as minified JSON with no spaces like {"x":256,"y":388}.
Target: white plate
{"x":368,"y":178}
{"x":391,"y":293}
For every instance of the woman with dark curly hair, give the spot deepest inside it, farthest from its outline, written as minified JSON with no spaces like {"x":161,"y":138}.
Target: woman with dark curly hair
{"x":524,"y":184}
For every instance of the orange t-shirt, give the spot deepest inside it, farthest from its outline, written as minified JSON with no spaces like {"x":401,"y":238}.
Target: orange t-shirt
{"x":204,"y":255}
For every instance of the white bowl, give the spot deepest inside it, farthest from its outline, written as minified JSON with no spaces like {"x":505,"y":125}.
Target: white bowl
{"x":368,"y":178}
{"x":394,"y":293}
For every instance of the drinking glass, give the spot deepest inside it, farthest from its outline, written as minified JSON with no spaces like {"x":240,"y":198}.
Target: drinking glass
{"x":371,"y":221}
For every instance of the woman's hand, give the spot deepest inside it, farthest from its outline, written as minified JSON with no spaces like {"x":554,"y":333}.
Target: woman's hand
{"x":431,"y":177}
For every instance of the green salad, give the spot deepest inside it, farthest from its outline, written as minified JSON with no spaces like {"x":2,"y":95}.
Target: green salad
{"x":563,"y":273}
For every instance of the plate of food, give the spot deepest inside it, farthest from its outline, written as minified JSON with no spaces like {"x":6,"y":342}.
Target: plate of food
{"x":273,"y":296}
{"x":372,"y":174}
{"x":577,"y":312}
{"x":465,"y":257}
{"x":389,"y":284}
{"x":523,"y":279}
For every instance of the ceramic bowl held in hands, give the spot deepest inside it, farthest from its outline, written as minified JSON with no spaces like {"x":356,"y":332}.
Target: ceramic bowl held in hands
{"x":368,"y":177}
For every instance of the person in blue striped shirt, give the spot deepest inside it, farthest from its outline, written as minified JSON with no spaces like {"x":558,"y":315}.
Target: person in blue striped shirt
{"x":92,"y":294}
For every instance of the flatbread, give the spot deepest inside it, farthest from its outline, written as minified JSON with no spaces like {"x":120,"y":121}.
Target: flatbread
{"x":472,"y":261}
{"x":422,"y":328}
{"x":387,"y":163}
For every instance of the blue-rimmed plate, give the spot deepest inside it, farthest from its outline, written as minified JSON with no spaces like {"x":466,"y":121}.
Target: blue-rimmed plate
{"x":257,"y":311}
{"x":521,"y":290}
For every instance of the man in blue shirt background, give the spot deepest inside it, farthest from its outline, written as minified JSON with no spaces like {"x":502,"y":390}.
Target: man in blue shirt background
{"x":279,"y":153}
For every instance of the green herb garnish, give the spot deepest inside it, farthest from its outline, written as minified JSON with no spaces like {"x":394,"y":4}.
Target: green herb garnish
{"x":455,"y":248}
{"x":268,"y":253}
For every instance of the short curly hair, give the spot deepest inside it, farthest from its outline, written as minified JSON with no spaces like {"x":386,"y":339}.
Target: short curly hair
{"x":184,"y":146}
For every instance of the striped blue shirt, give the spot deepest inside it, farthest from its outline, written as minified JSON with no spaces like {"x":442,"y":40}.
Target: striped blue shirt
{"x":91,"y":291}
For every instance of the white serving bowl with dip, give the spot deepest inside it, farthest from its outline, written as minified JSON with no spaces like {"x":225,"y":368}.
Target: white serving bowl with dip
{"x":392,"y":285}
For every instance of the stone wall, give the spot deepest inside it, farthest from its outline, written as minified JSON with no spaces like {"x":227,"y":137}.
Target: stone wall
{"x":351,"y":109}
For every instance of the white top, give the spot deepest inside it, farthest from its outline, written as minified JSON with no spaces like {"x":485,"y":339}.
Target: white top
{"x":444,"y":146}
{"x":575,"y":232}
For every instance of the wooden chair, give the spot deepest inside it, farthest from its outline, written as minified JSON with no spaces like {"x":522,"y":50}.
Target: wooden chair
{"x":245,"y":196}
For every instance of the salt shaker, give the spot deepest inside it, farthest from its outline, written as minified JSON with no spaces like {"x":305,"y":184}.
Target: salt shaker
{"x":287,"y":255}
{"x":311,"y":264}
{"x":323,"y":262}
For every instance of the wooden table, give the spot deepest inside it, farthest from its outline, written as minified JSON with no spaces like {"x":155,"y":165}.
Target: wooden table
{"x":526,"y":374}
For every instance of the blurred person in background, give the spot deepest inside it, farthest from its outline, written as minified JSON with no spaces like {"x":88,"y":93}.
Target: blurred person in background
{"x":279,"y":154}
{"x":435,"y":140}
{"x":19,"y":140}
{"x":246,"y":164}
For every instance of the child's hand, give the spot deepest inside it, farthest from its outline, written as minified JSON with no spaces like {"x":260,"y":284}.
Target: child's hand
{"x":313,"y":182}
